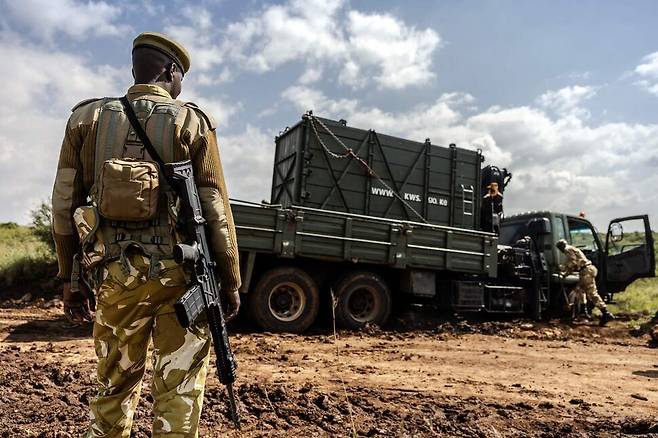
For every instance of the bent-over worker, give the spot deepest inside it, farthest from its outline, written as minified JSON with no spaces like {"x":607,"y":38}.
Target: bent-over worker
{"x":586,"y":287}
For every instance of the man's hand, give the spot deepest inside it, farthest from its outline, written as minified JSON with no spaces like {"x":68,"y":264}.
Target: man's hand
{"x":76,"y":305}
{"x":233,"y":304}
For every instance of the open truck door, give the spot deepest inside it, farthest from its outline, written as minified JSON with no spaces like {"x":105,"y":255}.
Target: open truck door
{"x":629,"y":252}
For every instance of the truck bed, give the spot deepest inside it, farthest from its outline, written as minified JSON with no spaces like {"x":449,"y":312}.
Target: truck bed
{"x":300,"y":232}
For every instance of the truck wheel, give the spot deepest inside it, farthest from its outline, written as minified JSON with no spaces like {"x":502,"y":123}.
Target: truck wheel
{"x":286,"y":299}
{"x":362,"y":298}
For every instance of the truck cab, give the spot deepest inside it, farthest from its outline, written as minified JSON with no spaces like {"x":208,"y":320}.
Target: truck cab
{"x":623,"y":254}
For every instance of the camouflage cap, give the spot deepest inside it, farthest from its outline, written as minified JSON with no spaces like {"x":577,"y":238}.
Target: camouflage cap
{"x":166,"y":45}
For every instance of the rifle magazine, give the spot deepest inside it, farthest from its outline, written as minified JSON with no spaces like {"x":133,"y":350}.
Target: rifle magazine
{"x":189,"y":306}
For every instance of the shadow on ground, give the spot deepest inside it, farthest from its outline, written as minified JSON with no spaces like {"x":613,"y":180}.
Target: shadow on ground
{"x":652,"y":374}
{"x":48,"y":330}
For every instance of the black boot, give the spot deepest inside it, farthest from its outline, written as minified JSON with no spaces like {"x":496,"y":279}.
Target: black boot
{"x":606,"y":317}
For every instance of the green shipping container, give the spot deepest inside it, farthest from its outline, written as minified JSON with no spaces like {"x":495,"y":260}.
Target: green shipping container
{"x":325,"y":164}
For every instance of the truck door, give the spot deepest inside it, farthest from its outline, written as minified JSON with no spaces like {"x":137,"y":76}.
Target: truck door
{"x":629,"y":252}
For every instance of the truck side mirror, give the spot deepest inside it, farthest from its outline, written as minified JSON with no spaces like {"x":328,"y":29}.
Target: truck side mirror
{"x":539,"y":226}
{"x":616,"y":232}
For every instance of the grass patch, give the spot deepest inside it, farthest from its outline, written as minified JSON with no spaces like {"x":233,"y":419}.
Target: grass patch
{"x":641,"y":298}
{"x":23,"y":255}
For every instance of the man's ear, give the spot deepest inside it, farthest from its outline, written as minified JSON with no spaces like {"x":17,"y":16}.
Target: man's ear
{"x":132,"y":70}
{"x":170,"y":71}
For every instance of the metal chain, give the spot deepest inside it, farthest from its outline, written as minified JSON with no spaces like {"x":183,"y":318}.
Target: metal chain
{"x":350,"y":153}
{"x":332,"y":154}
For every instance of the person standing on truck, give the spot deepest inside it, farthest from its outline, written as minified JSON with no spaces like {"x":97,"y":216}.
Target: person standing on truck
{"x":586,"y":287}
{"x":125,"y":238}
{"x":492,"y":209}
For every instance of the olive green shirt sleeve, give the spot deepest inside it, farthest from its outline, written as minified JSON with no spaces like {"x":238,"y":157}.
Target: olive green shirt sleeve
{"x":209,"y":177}
{"x":68,"y":194}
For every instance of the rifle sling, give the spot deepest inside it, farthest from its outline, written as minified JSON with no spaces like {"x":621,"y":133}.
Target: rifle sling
{"x":132,"y":118}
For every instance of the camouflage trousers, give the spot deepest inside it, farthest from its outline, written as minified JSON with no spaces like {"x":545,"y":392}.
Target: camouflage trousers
{"x":132,"y":311}
{"x":586,"y":289}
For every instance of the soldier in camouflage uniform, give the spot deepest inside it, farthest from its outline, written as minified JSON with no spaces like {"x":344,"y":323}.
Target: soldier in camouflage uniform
{"x":135,"y":279}
{"x":586,"y":287}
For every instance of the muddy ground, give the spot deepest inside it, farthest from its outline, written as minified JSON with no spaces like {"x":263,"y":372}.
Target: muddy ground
{"x":448,"y":378}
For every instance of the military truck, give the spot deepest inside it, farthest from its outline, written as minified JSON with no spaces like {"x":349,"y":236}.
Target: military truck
{"x":365,"y":222}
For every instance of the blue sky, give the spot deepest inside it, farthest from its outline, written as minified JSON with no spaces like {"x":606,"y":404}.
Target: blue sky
{"x":563,"y":93}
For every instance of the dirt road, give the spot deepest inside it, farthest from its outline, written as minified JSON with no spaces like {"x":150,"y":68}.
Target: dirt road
{"x":470,"y":379}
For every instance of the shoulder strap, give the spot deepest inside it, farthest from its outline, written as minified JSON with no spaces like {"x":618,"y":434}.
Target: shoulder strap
{"x":209,"y":120}
{"x":110,"y":133}
{"x":85,"y":102}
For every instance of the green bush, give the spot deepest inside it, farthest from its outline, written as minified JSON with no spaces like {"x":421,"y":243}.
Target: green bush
{"x":26,"y":253}
{"x":42,"y":217}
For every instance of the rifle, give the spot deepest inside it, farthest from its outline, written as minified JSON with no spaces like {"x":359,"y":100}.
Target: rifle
{"x":204,"y":294}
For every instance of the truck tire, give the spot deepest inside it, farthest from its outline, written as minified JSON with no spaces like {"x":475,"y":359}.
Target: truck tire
{"x":285,"y":299}
{"x":362,"y":298}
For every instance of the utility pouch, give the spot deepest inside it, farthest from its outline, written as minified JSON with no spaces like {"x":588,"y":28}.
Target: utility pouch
{"x":128,"y":190}
{"x":93,"y":248}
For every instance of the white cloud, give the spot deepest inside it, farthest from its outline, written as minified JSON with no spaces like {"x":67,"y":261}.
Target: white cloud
{"x":397,"y":55}
{"x":33,"y":125}
{"x":197,"y":37}
{"x":218,"y":107}
{"x":310,"y":75}
{"x":153,"y":8}
{"x":247,"y":159}
{"x":76,"y":19}
{"x":566,"y":101}
{"x":647,"y":72}
{"x":305,"y":98}
{"x":72,"y":81}
{"x":559,"y":162}
{"x":299,"y":30}
{"x":212,"y":78}
{"x":359,"y":48}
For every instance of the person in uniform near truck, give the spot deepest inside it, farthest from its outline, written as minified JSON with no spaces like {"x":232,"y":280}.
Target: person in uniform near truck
{"x":585,"y":290}
{"x":129,"y":255}
{"x":492,"y":209}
